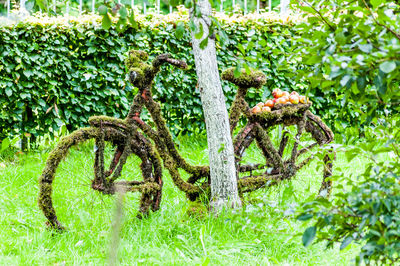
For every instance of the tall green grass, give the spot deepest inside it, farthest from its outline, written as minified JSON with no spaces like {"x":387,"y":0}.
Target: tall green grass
{"x":264,"y":232}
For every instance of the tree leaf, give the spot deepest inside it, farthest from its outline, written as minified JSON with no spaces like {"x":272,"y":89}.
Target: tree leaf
{"x":5,"y":144}
{"x":173,"y":3}
{"x":346,"y":242}
{"x":203,"y":43}
{"x":188,"y":3}
{"x":376,"y":3}
{"x":102,"y":10}
{"x":304,"y":216}
{"x":123,"y":12}
{"x":199,"y":34}
{"x":106,"y":22}
{"x":387,"y":66}
{"x":309,"y":235}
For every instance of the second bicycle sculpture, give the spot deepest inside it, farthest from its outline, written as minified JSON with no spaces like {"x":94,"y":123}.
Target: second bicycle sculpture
{"x":155,"y":147}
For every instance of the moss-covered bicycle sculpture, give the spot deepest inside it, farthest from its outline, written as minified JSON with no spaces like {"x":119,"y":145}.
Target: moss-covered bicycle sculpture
{"x":155,"y":147}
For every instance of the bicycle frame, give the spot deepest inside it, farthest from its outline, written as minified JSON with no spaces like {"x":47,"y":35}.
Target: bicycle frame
{"x":130,"y":136}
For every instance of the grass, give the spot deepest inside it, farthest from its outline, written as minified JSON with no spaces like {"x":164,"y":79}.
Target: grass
{"x":264,"y":232}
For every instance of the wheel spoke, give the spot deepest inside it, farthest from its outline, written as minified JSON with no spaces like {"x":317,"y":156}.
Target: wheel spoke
{"x":99,"y":158}
{"x":270,"y":153}
{"x":283,"y":143}
{"x":306,"y":149}
{"x":251,"y":183}
{"x":304,"y":162}
{"x":300,"y":128}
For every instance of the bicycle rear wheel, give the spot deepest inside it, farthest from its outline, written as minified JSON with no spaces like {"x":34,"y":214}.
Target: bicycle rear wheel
{"x":281,"y":146}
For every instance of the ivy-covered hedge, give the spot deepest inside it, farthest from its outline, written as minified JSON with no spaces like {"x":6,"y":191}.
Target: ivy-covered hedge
{"x":55,"y":71}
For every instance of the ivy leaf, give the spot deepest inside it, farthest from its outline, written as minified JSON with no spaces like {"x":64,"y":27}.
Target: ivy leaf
{"x":180,"y":30}
{"x":309,"y":235}
{"x":8,"y":91}
{"x":387,"y":66}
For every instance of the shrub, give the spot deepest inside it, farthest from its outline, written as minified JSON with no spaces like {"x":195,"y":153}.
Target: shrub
{"x":55,"y":71}
{"x":354,"y":48}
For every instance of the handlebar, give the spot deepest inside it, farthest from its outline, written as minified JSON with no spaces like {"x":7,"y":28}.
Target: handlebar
{"x":166,"y":58}
{"x":141,"y":74}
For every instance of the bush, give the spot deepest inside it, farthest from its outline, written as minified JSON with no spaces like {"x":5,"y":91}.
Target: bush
{"x":54,"y":71}
{"x":354,"y":50}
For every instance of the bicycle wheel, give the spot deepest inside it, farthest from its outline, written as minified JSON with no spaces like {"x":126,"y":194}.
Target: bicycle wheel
{"x":273,"y":148}
{"x":75,"y":178}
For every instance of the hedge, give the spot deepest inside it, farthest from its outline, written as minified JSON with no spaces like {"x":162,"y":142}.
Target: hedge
{"x":56,"y":71}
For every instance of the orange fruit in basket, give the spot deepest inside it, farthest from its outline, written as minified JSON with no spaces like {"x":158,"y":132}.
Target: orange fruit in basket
{"x":285,"y":94}
{"x":294,"y":99}
{"x":277,"y":93}
{"x":282,"y":100}
{"x":256,"y":109}
{"x":266,"y":109}
{"x":303,"y":99}
{"x":269,"y":103}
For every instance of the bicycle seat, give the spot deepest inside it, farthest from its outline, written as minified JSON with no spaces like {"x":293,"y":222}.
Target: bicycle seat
{"x":255,"y":79}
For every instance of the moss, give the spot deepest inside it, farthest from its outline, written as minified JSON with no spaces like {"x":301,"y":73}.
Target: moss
{"x":128,"y":140}
{"x":135,"y":57}
{"x":286,"y":114}
{"x":238,"y":107}
{"x":140,"y":73}
{"x":197,"y":209}
{"x":47,"y":177}
{"x":255,"y":79}
{"x":134,"y":143}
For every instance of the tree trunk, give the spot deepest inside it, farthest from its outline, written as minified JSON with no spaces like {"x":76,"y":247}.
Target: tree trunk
{"x":224,"y":191}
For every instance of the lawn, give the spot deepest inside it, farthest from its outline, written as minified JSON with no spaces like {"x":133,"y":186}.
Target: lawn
{"x":264,"y":232}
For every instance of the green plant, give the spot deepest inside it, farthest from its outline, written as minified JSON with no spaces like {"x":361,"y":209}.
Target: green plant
{"x":353,"y":48}
{"x":261,"y":234}
{"x":56,"y":71}
{"x":366,"y":208}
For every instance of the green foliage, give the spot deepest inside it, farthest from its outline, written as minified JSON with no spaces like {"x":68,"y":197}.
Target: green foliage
{"x":353,"y":49}
{"x":260,"y":234}
{"x":366,"y":208}
{"x":55,"y":72}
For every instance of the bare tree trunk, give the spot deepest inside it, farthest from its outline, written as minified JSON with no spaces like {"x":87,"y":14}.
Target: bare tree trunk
{"x":224,"y":189}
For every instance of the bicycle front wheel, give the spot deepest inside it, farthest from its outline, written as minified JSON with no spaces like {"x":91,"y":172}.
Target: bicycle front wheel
{"x":75,"y":161}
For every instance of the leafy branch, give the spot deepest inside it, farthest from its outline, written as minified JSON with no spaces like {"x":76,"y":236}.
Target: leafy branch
{"x":380,"y":24}
{"x":321,"y":16}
